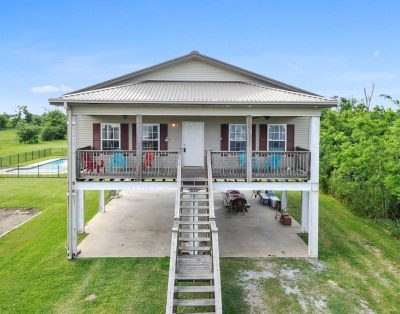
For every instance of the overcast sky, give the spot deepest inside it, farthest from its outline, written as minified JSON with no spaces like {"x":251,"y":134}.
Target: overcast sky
{"x":333,"y":48}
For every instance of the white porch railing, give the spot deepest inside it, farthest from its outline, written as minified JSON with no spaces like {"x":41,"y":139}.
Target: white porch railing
{"x":268,"y":165}
{"x":285,"y":165}
{"x":123,"y":164}
{"x":160,"y":164}
{"x":228,"y":164}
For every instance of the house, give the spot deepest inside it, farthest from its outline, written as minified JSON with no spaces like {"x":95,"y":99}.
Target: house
{"x":193,"y":117}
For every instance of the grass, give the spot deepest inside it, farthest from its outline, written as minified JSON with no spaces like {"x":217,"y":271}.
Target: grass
{"x":358,"y":267}
{"x":9,"y":144}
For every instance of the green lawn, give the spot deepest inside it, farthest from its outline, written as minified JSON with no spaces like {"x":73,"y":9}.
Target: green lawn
{"x":358,"y":269}
{"x":9,"y":144}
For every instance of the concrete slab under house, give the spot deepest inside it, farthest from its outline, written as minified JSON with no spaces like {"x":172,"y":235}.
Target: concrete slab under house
{"x":188,"y":128}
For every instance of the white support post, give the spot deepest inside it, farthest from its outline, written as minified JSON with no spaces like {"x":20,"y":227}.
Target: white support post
{"x":102,"y":208}
{"x":81,"y":211}
{"x":249,"y":149}
{"x":139,"y":156}
{"x":72,"y":213}
{"x":284,"y":201}
{"x":314,"y":188}
{"x":305,"y":203}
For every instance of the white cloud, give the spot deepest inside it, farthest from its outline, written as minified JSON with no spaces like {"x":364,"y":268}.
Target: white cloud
{"x":50,"y":89}
{"x":377,"y":53}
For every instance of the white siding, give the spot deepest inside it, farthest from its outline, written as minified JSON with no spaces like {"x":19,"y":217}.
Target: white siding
{"x":194,"y":70}
{"x":212,"y":128}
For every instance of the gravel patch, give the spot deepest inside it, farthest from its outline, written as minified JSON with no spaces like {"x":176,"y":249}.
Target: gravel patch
{"x":12,"y":218}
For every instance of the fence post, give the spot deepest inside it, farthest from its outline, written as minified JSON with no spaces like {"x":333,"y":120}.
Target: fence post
{"x":38,"y":171}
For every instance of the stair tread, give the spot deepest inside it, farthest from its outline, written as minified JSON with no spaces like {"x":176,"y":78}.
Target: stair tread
{"x":194,"y":302}
{"x":195,"y":215}
{"x":194,"y":248}
{"x":195,"y":207}
{"x":194,"y":193}
{"x":194,"y":222}
{"x":187,"y":276}
{"x":199,"y":239}
{"x":194,"y":288}
{"x":192,"y":231}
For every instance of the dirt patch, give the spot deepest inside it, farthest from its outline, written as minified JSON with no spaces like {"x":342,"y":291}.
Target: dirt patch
{"x":12,"y":218}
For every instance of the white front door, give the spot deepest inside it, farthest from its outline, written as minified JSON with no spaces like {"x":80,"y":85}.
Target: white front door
{"x":193,"y":144}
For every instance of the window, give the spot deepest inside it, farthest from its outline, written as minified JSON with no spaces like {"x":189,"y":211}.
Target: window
{"x":151,"y":136}
{"x":110,"y":136}
{"x":276,"y":137}
{"x":237,"y":137}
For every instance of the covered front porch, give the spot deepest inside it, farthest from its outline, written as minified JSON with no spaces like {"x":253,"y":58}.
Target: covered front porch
{"x":248,"y":148}
{"x":138,"y":224}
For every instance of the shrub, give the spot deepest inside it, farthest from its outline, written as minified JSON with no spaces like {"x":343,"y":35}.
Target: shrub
{"x":28,"y":133}
{"x":50,"y":133}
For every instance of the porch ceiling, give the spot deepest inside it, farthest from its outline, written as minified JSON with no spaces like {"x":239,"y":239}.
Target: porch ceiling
{"x":195,"y":92}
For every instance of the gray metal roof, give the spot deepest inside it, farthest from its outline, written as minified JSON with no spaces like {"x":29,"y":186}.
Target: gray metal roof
{"x":207,"y":92}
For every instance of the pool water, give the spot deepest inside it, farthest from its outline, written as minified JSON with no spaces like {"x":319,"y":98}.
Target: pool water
{"x":54,"y":166}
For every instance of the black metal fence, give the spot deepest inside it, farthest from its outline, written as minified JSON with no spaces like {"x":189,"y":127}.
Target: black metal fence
{"x":17,"y":159}
{"x":52,"y":169}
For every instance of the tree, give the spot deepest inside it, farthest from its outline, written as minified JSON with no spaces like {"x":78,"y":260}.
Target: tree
{"x":4,"y":120}
{"x":28,"y":133}
{"x":54,"y":125}
{"x":390,"y":98}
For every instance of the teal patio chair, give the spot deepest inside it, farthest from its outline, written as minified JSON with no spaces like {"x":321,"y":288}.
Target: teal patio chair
{"x":118,"y":161}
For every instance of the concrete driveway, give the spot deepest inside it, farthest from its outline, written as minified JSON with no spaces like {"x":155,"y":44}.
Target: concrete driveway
{"x":138,"y":224}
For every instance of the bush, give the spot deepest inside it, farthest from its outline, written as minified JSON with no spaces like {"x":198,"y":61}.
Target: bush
{"x":54,"y":125}
{"x":50,"y":133}
{"x":28,"y":133}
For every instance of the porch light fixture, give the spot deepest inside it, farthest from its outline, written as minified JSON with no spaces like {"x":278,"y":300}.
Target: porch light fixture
{"x":124,"y":117}
{"x":173,"y":124}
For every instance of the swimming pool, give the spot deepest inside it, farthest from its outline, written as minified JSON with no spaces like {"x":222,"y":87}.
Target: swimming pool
{"x":45,"y":167}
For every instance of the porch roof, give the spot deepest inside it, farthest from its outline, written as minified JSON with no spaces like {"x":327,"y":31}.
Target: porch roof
{"x":194,"y":92}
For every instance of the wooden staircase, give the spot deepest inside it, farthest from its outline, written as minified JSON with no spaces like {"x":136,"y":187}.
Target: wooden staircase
{"x":194,"y":275}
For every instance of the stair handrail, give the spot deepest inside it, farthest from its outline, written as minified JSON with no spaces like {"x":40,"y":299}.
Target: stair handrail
{"x":210,"y":186}
{"x":216,"y":267}
{"x":178,"y":189}
{"x":172,"y":268}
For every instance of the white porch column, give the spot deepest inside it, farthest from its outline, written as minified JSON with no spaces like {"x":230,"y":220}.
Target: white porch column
{"x":284,"y":200}
{"x":72,"y":212}
{"x":305,"y":200}
{"x":314,"y":188}
{"x":102,"y":208}
{"x":249,"y":149}
{"x":139,"y":157}
{"x":81,"y":210}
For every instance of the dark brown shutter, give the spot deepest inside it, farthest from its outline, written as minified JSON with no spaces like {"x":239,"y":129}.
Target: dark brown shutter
{"x":96,"y":136}
{"x":290,"y":137}
{"x":253,"y":137}
{"x":163,"y":136}
{"x":224,"y":137}
{"x":134,"y":136}
{"x":125,"y":136}
{"x":263,"y":137}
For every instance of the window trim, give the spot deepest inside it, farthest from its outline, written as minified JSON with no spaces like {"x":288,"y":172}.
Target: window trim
{"x":159,"y":135}
{"x":268,"y":133}
{"x":101,"y":134}
{"x":229,"y":136}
